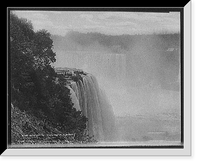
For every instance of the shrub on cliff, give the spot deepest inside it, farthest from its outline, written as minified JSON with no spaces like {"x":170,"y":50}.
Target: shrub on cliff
{"x":35,"y":86}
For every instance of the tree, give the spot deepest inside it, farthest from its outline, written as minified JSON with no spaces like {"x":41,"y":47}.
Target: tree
{"x":21,"y":44}
{"x":31,"y":55}
{"x":35,"y":86}
{"x":43,"y":53}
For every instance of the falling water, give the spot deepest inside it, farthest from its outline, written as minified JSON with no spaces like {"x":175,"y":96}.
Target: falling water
{"x":133,"y":96}
{"x":95,"y":106}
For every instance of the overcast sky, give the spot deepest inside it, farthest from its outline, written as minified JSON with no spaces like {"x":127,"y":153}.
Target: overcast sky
{"x":112,"y":23}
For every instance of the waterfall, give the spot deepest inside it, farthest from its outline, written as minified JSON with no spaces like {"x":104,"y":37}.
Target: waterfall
{"x":95,"y":106}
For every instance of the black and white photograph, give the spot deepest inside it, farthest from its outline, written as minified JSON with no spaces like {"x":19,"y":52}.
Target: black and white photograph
{"x":88,"y":78}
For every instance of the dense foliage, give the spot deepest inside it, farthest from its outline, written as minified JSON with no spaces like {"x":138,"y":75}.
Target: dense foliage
{"x":35,"y":86}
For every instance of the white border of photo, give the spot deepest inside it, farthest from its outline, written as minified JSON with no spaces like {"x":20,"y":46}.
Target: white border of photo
{"x":185,"y":151}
